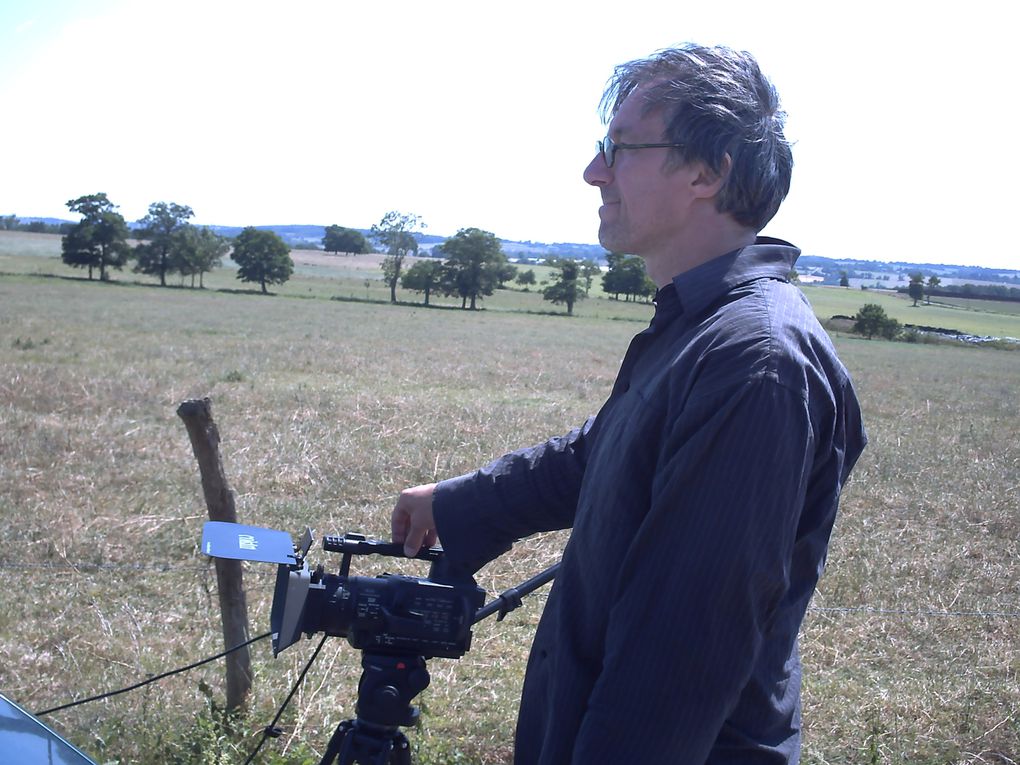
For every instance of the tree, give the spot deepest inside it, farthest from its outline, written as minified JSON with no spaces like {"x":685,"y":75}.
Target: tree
{"x":423,"y":276}
{"x":506,"y":273}
{"x":793,"y":277}
{"x":78,"y":250}
{"x":890,"y":329}
{"x":262,"y":257}
{"x":526,"y":278}
{"x":614,"y":280}
{"x":844,"y":279}
{"x":395,"y":233}
{"x":872,"y":320}
{"x":339,"y":239}
{"x":589,"y":270}
{"x":626,"y":276}
{"x":159,"y":228}
{"x":567,"y":288}
{"x":197,"y":251}
{"x":10,"y":222}
{"x":99,"y":240}
{"x":474,"y":259}
{"x":933,"y":283}
{"x":916,"y":287}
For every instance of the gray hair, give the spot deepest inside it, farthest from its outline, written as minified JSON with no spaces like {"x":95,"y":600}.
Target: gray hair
{"x":716,"y":102}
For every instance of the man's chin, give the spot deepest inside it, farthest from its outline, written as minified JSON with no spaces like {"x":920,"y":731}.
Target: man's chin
{"x":608,"y":239}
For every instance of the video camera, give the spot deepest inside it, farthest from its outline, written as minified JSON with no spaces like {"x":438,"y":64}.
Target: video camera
{"x":396,"y":621}
{"x":387,"y":614}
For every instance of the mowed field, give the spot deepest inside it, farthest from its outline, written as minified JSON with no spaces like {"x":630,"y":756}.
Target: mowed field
{"x":328,"y":407}
{"x":991,"y":318}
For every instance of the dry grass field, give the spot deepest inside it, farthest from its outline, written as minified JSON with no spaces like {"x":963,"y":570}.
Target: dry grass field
{"x":327,"y":408}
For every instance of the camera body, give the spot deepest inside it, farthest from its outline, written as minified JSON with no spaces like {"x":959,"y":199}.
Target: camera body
{"x":390,"y":613}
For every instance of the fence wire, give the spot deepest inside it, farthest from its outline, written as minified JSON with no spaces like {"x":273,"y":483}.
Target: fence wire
{"x":163,"y":568}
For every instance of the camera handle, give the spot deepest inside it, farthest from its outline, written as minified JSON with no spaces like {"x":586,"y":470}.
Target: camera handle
{"x":510,"y":600}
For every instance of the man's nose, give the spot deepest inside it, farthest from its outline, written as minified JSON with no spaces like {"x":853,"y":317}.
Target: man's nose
{"x":597,"y":174}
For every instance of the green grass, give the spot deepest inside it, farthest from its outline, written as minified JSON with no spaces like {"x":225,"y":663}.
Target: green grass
{"x":979,"y":317}
{"x":1010,"y":307}
{"x":327,"y":408}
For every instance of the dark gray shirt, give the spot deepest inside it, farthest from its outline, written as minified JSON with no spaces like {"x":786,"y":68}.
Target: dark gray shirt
{"x":701,"y":497}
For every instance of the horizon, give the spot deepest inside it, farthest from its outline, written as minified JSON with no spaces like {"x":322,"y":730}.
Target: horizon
{"x":537,"y":243}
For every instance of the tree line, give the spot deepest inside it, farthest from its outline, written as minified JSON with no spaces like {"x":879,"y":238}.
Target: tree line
{"x":168,"y":245}
{"x":13,"y":223}
{"x":919,"y":288}
{"x":172,"y":246}
{"x":469,"y":265}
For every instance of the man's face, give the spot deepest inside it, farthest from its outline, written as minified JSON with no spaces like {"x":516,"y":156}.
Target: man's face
{"x":645,"y":202}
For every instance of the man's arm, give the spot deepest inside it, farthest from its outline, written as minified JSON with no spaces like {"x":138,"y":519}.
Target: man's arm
{"x":478,"y":516}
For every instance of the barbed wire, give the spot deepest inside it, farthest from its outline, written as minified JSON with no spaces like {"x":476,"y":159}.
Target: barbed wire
{"x":81,"y":566}
{"x":909,"y":612}
{"x":166,"y":568}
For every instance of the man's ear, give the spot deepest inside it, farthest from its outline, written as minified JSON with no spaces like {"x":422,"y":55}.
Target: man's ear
{"x":707,"y":182}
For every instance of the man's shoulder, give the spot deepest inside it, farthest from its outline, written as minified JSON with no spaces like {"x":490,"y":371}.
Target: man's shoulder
{"x":765,"y":328}
{"x":763,"y":309}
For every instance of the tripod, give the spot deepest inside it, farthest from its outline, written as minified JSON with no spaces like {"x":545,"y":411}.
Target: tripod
{"x":388,"y":683}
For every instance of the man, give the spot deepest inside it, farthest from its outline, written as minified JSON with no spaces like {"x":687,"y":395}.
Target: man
{"x":703,"y":493}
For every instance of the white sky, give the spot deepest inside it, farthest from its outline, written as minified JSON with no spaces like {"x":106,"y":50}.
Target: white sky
{"x":484,"y":114}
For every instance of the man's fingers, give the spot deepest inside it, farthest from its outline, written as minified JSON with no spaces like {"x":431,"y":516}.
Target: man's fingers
{"x":414,"y":542}
{"x":428,"y":539}
{"x":417,"y":538}
{"x":398,"y":525}
{"x":411,"y":522}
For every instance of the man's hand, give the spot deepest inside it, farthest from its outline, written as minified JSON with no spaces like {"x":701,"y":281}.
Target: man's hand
{"x":411,"y":521}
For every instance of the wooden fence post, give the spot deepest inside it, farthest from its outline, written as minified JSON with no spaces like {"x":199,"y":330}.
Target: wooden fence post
{"x":205,"y":441}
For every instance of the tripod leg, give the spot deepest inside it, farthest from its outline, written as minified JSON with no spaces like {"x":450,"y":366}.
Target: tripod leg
{"x":350,"y":745}
{"x":401,"y":754}
{"x":340,"y":737}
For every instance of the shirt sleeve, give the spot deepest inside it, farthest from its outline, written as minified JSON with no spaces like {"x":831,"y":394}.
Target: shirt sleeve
{"x":481,"y":514}
{"x":702,"y":578}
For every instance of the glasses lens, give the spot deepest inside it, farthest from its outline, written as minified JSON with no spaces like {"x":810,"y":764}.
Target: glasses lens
{"x":608,"y":150}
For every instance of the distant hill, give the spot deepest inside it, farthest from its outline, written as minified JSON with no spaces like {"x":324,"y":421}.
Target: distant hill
{"x":880,"y":274}
{"x":311,"y":237}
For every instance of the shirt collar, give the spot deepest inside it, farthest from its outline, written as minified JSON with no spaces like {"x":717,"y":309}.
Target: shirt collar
{"x":700,"y":287}
{"x":667,"y":306}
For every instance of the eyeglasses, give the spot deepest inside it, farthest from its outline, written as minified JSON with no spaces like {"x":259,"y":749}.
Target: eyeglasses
{"x":608,"y":148}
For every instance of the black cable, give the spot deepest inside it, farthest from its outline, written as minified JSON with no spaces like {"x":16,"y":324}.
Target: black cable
{"x":153,"y":679}
{"x":271,"y":731}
